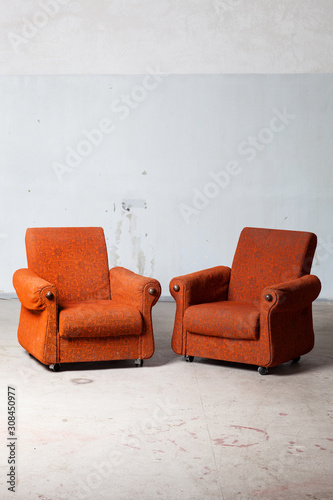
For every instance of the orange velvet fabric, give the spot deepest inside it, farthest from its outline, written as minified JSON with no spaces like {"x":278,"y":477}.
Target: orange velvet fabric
{"x":79,"y":321}
{"x":30,"y":287}
{"x":208,"y":285}
{"x":266,"y":261}
{"x":101,"y":349}
{"x":293,"y":295}
{"x":98,"y":318}
{"x":132,"y":289}
{"x":267,"y":256}
{"x":227,"y":319}
{"x":73,"y":259}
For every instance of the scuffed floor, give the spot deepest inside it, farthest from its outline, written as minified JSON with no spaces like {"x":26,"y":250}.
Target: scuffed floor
{"x":171,"y":429}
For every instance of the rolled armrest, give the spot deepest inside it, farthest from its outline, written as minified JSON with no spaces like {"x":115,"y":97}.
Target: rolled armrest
{"x":293,"y":294}
{"x":31,"y":289}
{"x":132,"y":289}
{"x":202,"y":286}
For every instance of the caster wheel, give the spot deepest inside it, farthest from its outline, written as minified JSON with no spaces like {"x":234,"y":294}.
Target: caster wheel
{"x":55,"y":367}
{"x":262,"y":370}
{"x":138,"y":362}
{"x":189,"y":359}
{"x":296,"y":360}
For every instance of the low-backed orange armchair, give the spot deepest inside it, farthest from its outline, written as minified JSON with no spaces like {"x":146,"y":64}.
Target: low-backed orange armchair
{"x":259,"y":311}
{"x":73,"y":308}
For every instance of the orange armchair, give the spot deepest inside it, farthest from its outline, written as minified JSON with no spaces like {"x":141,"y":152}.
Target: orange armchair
{"x":259,"y":311}
{"x":73,"y":308}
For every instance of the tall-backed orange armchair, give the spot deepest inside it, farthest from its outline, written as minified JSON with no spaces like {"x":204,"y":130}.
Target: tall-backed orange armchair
{"x":259,"y":311}
{"x":73,"y":308}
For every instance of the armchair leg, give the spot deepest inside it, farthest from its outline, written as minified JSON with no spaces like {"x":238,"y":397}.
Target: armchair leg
{"x":296,"y":360}
{"x":56,"y":367}
{"x":188,"y":358}
{"x":138,"y":362}
{"x":262,"y":370}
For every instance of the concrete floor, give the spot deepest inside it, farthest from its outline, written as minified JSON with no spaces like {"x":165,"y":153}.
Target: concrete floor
{"x":171,"y":429}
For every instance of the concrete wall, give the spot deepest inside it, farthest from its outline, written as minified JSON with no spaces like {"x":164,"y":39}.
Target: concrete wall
{"x":172,"y":166}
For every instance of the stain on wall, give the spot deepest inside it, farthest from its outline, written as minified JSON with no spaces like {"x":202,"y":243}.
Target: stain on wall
{"x":131,"y":246}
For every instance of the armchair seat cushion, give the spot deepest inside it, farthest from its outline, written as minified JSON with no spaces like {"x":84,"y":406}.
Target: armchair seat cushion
{"x":226,"y":319}
{"x":98,"y":318}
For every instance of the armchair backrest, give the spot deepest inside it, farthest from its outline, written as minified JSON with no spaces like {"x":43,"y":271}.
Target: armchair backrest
{"x":265,"y":257}
{"x":74,"y":259}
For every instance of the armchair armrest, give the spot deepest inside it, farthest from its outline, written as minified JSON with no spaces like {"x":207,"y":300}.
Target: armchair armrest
{"x":208,"y":285}
{"x":291,"y":295}
{"x":132,"y":289}
{"x":32,"y":290}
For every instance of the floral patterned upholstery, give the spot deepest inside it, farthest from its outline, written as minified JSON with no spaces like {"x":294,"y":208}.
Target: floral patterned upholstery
{"x":73,"y":308}
{"x":228,"y":319}
{"x":98,"y":318}
{"x":259,"y":311}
